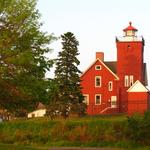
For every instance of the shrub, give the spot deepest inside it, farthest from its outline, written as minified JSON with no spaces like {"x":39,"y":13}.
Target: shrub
{"x":139,"y":127}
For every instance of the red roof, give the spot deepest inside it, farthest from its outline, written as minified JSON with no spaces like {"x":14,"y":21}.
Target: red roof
{"x":130,"y":27}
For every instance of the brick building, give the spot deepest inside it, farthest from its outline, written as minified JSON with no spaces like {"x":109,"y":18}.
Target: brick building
{"x":108,"y":86}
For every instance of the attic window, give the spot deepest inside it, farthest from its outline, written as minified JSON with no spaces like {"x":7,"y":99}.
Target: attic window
{"x":98,"y":67}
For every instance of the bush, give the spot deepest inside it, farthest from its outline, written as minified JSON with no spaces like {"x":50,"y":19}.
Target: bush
{"x":139,"y":127}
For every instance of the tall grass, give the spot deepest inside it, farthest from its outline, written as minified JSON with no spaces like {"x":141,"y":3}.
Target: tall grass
{"x":89,"y":131}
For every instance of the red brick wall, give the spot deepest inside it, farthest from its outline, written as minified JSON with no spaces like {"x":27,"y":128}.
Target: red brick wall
{"x":88,"y":84}
{"x":129,"y":62}
{"x":138,"y":102}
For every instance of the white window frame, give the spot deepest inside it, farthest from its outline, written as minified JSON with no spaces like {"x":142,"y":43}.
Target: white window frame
{"x":131,"y":80}
{"x":100,"y":80}
{"x":126,"y":80}
{"x":100,"y":67}
{"x":86,"y":101}
{"x":113,"y":101}
{"x":99,"y":99}
{"x":110,"y":86}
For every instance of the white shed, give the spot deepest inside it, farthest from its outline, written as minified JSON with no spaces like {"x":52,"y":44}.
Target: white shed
{"x":37,"y":113}
{"x":40,"y":112}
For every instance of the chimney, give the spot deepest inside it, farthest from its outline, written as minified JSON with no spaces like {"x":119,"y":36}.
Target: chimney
{"x":100,"y":55}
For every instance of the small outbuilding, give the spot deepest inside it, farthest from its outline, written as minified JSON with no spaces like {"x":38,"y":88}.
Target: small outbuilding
{"x":138,"y":98}
{"x":40,"y":112}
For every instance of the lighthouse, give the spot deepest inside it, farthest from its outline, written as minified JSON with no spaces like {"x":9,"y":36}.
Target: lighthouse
{"x":111,"y":87}
{"x":130,"y":66}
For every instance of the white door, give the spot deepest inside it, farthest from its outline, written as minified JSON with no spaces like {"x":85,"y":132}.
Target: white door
{"x":113,"y":101}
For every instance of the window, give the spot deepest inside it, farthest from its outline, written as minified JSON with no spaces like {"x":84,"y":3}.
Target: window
{"x":98,"y":81}
{"x":129,"y":46}
{"x":131,"y":80}
{"x":97,"y":99}
{"x":98,"y":67}
{"x":86,"y":99}
{"x":126,"y":81}
{"x":110,"y":86}
{"x":113,"y":101}
{"x":130,"y":33}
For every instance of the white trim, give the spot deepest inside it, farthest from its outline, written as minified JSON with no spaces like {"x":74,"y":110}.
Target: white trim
{"x":128,"y":80}
{"x":117,"y":78}
{"x":105,"y":109}
{"x":100,"y":81}
{"x":88,"y":68}
{"x":96,"y":99}
{"x":137,"y":87}
{"x":110,"y":86}
{"x":87,"y":100}
{"x":129,"y":38}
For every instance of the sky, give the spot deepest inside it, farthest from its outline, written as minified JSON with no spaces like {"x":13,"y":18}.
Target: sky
{"x":95,"y":24}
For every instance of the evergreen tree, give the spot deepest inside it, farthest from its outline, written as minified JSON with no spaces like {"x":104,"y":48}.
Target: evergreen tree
{"x":67,"y":75}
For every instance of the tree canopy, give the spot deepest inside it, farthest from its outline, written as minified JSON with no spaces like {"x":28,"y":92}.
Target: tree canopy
{"x":67,"y":74}
{"x":23,"y":62}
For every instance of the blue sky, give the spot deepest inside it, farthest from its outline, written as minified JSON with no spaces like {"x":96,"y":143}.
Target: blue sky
{"x":95,"y":24}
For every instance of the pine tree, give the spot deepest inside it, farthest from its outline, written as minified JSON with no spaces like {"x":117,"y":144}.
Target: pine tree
{"x":67,"y":75}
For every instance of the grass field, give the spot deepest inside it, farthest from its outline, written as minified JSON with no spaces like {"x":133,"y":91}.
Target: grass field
{"x":41,"y":133}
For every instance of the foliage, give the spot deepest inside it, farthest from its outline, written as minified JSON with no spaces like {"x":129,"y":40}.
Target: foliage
{"x":23,"y":62}
{"x":67,"y":75}
{"x":139,"y":127}
{"x":81,"y":132}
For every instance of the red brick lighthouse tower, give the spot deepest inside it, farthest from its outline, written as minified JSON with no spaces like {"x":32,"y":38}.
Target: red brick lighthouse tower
{"x":130,"y":66}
